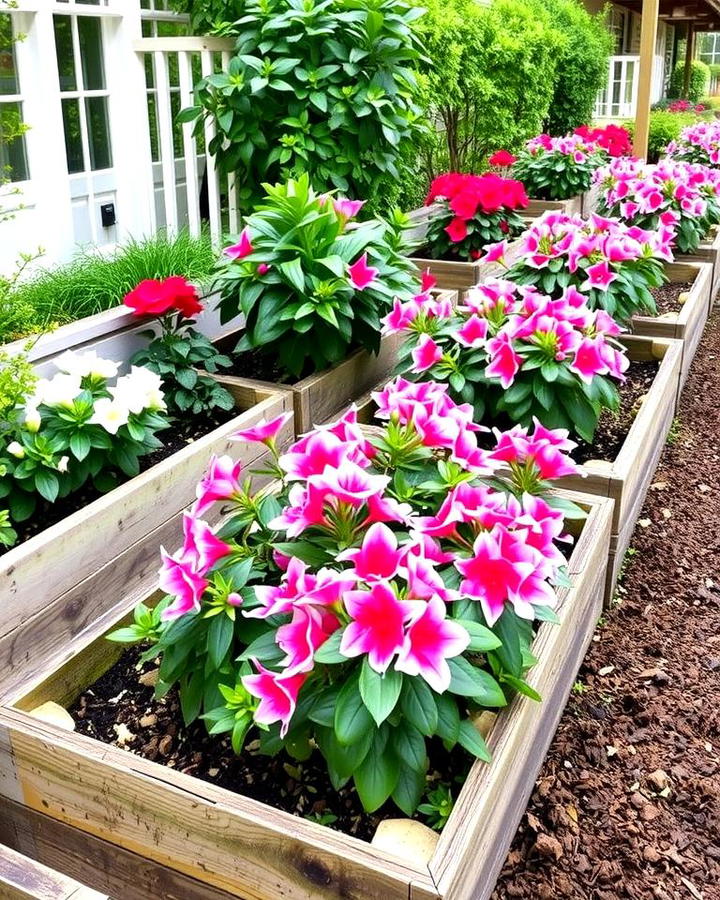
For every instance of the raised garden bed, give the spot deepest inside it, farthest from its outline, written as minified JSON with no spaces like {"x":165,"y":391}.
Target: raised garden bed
{"x":688,"y":290}
{"x":110,"y":546}
{"x":242,"y":847}
{"x":23,"y":877}
{"x":573,"y":206}
{"x":708,"y":251}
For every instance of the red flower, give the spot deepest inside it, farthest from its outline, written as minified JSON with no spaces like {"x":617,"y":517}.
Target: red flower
{"x":153,"y":298}
{"x":457,"y":230}
{"x":502,"y":158}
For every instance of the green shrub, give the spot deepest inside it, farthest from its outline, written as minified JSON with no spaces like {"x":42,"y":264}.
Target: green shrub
{"x":488,"y":78}
{"x":324,"y":88}
{"x":581,"y":63}
{"x":90,"y":283}
{"x":699,"y":81}
{"x":664,"y":127}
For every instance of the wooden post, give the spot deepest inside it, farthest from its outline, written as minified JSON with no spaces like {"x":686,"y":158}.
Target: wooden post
{"x":689,"y":54}
{"x":648,"y":37}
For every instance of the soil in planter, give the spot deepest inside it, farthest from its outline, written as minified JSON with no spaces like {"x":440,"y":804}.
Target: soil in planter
{"x":613,"y":427}
{"x":667,"y":296}
{"x":119,"y":709}
{"x":448,"y":256}
{"x":174,"y":438}
{"x":627,"y":805}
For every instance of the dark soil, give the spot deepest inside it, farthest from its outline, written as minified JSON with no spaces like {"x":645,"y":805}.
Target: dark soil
{"x":448,"y":256}
{"x":613,"y":427}
{"x":156,"y":731}
{"x":666,"y":296}
{"x":253,"y":363}
{"x":174,"y":438}
{"x":627,"y":804}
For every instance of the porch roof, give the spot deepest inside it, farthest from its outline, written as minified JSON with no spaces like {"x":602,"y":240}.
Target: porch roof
{"x":704,"y":15}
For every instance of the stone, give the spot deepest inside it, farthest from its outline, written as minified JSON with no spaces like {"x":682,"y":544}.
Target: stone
{"x":407,"y":839}
{"x":54,"y":714}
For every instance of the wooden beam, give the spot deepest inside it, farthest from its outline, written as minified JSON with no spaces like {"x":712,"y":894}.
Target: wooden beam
{"x":648,"y":37}
{"x":689,"y":54}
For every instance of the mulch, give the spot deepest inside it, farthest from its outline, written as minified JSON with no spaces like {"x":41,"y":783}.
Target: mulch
{"x":667,"y":296}
{"x":627,"y":804}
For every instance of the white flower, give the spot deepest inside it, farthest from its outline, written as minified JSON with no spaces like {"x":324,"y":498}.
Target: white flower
{"x":32,"y":419}
{"x":110,"y":414}
{"x":139,"y":390}
{"x":126,"y":394}
{"x":15,"y":448}
{"x":60,"y":390}
{"x":63,"y":464}
{"x":88,"y":363}
{"x":155,"y":400}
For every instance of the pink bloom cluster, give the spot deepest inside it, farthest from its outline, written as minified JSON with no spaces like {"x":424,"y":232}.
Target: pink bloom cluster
{"x":399,"y":566}
{"x":601,"y":244}
{"x":699,"y":143}
{"x":665,"y":193}
{"x":578,"y":147}
{"x":509,"y":323}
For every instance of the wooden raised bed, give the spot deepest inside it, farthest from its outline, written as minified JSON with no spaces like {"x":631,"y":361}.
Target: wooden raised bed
{"x":317,"y":398}
{"x":708,"y":251}
{"x":688,"y":323}
{"x":573,"y":206}
{"x":111,"y":546}
{"x":70,"y":785}
{"x":21,"y":877}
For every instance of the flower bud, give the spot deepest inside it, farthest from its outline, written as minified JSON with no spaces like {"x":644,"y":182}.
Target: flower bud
{"x":32,"y":420}
{"x":15,"y":448}
{"x":62,"y":466}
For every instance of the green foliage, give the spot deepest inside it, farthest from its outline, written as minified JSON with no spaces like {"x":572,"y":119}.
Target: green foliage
{"x":438,"y":807}
{"x":488,"y":78}
{"x":699,"y":81}
{"x":322,"y":87}
{"x":210,"y":16}
{"x":554,"y":175}
{"x":664,"y":127}
{"x":92,"y":283}
{"x":17,"y":381}
{"x":581,"y":64}
{"x":304,"y":310}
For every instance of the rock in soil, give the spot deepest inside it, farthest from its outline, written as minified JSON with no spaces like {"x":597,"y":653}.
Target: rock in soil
{"x":648,"y":823}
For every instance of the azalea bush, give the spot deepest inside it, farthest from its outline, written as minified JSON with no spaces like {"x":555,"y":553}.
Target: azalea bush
{"x":311,"y":288}
{"x":377,"y":598}
{"x":471,"y":211}
{"x":678,"y":195}
{"x":697,"y":143}
{"x":78,"y":426}
{"x":180,"y":353}
{"x":553,"y":168}
{"x":323,"y":88}
{"x":514,"y":353}
{"x":615,"y":265}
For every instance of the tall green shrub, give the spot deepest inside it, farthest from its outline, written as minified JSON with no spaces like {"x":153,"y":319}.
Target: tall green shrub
{"x":581,"y":63}
{"x":699,"y":81}
{"x":325,"y":87}
{"x":488,"y":77}
{"x":665,"y":126}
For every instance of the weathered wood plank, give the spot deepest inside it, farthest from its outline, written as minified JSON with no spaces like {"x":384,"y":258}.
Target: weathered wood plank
{"x":708,"y":251}
{"x":461,"y":276}
{"x":21,"y":878}
{"x":474,"y":843}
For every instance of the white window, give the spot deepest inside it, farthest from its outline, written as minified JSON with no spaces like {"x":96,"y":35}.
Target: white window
{"x":13,"y":157}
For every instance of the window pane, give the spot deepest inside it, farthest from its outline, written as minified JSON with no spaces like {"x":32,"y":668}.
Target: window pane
{"x":98,"y":133}
{"x":73,"y":139}
{"x":8,"y":67}
{"x":64,"y":50}
{"x":13,"y":162}
{"x":91,"y":53}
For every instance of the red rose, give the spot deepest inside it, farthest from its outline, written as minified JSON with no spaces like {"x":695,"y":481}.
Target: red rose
{"x":502,"y":158}
{"x":153,"y":298}
{"x":185,"y":296}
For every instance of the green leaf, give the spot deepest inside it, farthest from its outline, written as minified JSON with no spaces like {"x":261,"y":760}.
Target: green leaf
{"x":471,"y":739}
{"x":293,"y":271}
{"x":219,"y":638}
{"x":509,"y":653}
{"x":187,"y":378}
{"x":417,"y":703}
{"x":329,"y":653}
{"x":352,"y":718}
{"x":409,"y":745}
{"x":380,"y":693}
{"x":80,"y":445}
{"x":469,"y":681}
{"x":46,"y":484}
{"x":129,"y":635}
{"x":377,"y":776}
{"x":448,"y":724}
{"x":264,"y":648}
{"x":482,"y":638}
{"x":409,"y":789}
{"x":521,"y":686}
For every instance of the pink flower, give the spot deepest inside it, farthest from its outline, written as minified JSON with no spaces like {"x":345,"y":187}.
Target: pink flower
{"x":427,"y":281}
{"x":378,"y":557}
{"x":505,"y":362}
{"x":588,"y":361}
{"x":221,"y":482}
{"x":361,"y":274}
{"x":263,"y":269}
{"x":243,"y":247}
{"x":278,"y":693}
{"x":179,"y":579}
{"x":264,"y":432}
{"x":201,"y":546}
{"x":426,"y":354}
{"x":473,"y":332}
{"x":502,"y":158}
{"x":347,"y":209}
{"x":378,"y":624}
{"x":599,"y":276}
{"x":457,"y":230}
{"x":300,"y":638}
{"x":494,"y":252}
{"x":430,"y":641}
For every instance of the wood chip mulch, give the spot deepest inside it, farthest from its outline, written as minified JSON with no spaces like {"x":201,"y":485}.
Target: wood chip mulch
{"x":627,"y":804}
